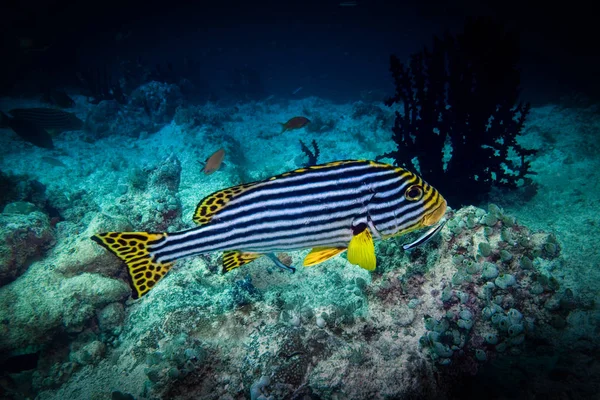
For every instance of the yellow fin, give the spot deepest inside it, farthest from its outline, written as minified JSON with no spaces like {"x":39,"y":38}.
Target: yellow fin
{"x":321,"y":254}
{"x":361,"y":251}
{"x":212,"y":203}
{"x":235,"y":259}
{"x":132,"y":248}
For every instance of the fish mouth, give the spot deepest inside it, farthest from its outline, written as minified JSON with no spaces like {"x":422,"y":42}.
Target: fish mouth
{"x":436,"y":214}
{"x":429,"y":219}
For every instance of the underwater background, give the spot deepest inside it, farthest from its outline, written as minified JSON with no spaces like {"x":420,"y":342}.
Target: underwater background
{"x":123,"y":116}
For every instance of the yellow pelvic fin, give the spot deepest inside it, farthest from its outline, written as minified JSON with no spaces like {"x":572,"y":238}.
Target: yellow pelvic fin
{"x":321,"y":254}
{"x":235,"y":259}
{"x":361,"y":250}
{"x":132,"y":248}
{"x":213,"y":203}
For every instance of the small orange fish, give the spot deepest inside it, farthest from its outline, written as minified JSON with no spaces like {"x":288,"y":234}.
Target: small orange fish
{"x":214,"y":162}
{"x":294,"y":123}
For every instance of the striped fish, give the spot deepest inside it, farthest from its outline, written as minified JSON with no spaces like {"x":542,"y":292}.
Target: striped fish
{"x":48,"y":118}
{"x":329,"y":208}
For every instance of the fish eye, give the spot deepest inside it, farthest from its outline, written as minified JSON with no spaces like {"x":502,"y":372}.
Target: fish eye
{"x":414,"y":193}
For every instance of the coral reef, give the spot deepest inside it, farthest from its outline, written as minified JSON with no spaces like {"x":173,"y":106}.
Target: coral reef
{"x":497,"y":296}
{"x":313,"y":156}
{"x":8,"y":191}
{"x":207,"y":115}
{"x":158,"y":100}
{"x":104,"y":119}
{"x":493,"y":302}
{"x":487,"y":291}
{"x":361,"y":109}
{"x":98,"y":85}
{"x":460,"y":117}
{"x":484,"y":292}
{"x":150,"y":106}
{"x":137,"y":73}
{"x":154,"y":193}
{"x":25,"y":235}
{"x":21,"y":188}
{"x":319,"y":123}
{"x":237,"y":153}
{"x":65,"y":308}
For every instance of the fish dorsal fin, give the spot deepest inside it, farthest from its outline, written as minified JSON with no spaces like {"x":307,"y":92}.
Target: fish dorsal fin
{"x":316,"y":167}
{"x":133,"y":249}
{"x":321,"y":254}
{"x":361,"y":250}
{"x":215,"y":202}
{"x":235,"y":259}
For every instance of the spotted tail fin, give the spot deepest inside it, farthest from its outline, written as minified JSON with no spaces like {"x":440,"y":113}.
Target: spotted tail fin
{"x":133,"y":249}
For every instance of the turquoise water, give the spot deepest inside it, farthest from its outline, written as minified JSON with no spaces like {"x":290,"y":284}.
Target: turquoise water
{"x":68,"y":301}
{"x":502,"y":303}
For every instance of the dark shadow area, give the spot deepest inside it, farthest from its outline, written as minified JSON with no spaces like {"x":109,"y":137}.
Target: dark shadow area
{"x":251,"y":50}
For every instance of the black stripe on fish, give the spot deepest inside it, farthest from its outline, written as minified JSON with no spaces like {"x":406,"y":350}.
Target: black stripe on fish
{"x":255,"y":240}
{"x":277,"y":208}
{"x":48,"y":118}
{"x":309,"y":196}
{"x":221,"y":230}
{"x":314,"y":182}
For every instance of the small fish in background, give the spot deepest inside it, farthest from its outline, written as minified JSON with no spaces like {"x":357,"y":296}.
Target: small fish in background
{"x":48,"y":118}
{"x":54,"y":162}
{"x":351,"y":3}
{"x":294,"y":123}
{"x":59,"y":98}
{"x":28,"y":131}
{"x":297,"y":90}
{"x":214,"y":162}
{"x":281,"y":263}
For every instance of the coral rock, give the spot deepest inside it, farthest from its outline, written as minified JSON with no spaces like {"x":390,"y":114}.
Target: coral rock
{"x":22,"y":239}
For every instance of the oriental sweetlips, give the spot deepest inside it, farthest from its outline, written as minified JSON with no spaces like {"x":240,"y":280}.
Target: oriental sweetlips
{"x":330,"y":208}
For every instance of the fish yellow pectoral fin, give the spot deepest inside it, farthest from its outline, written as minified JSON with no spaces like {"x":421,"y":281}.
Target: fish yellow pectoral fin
{"x":132,"y":248}
{"x":321,"y":254}
{"x":361,"y":251}
{"x":211,"y":204}
{"x":235,"y":259}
